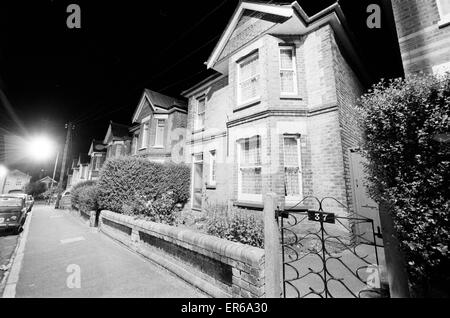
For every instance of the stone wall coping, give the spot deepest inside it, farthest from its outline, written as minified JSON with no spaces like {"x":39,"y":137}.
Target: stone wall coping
{"x":239,"y":252}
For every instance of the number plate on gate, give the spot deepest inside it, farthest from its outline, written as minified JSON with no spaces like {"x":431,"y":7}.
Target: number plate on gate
{"x":321,"y":217}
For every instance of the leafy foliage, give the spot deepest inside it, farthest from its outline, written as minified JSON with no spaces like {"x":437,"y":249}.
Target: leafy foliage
{"x":236,"y":226}
{"x":136,"y":186}
{"x":77,"y":190}
{"x":35,"y":188}
{"x":406,"y":123}
{"x":87,"y":198}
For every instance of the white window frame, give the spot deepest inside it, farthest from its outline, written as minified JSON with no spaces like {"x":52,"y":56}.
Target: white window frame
{"x":157,"y":135}
{"x":294,"y":69}
{"x":145,"y":135}
{"x":246,"y":196}
{"x":197,"y":124}
{"x":240,"y":81}
{"x":212,"y":164}
{"x":444,"y":19}
{"x":299,"y":197}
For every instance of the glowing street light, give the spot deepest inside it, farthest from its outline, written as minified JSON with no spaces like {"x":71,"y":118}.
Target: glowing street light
{"x":40,"y":148}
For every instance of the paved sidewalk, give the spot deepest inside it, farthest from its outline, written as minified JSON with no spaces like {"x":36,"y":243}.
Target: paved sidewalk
{"x":59,"y":244}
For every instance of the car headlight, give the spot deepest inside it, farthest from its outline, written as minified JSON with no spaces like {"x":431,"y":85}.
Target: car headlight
{"x":13,"y":218}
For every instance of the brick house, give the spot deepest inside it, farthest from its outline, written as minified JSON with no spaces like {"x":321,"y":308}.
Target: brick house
{"x":159,"y":127}
{"x":80,"y":170}
{"x":279,"y":114}
{"x":117,"y":140}
{"x":97,"y":154}
{"x":423,"y":29}
{"x":14,"y":180}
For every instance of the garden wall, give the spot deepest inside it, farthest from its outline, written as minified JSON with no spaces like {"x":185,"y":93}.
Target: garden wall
{"x":216,"y":266}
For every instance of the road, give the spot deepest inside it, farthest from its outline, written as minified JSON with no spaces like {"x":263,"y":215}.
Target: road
{"x":65,"y":258}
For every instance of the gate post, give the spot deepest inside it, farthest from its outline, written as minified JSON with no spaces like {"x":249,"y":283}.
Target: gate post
{"x":272,"y":248}
{"x":397,"y":276}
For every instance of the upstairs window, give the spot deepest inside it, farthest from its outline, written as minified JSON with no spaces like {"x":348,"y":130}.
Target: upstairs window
{"x":159,"y":138}
{"x":200,"y":113}
{"x":249,"y":79}
{"x":212,"y":168}
{"x":288,"y":74}
{"x":144,"y":140}
{"x":250,"y":169}
{"x":444,"y":10}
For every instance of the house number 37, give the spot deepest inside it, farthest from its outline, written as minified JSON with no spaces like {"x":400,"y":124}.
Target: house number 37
{"x":321,"y":217}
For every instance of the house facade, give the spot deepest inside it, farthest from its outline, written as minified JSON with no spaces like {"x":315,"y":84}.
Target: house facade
{"x":80,"y":170}
{"x":48,"y":182}
{"x":159,"y":128}
{"x":423,"y":29}
{"x":97,"y":154}
{"x":117,"y":140}
{"x":15,"y":180}
{"x":279,"y":115}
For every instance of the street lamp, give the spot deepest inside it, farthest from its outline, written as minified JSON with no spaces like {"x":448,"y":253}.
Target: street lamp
{"x":42,"y":148}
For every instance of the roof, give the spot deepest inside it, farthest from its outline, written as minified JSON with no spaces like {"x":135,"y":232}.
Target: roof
{"x":75,"y":163}
{"x":207,"y":81}
{"x":293,"y":20}
{"x":47,"y":178}
{"x":159,"y":103}
{"x":164,"y":101}
{"x":117,"y":132}
{"x":97,"y":146}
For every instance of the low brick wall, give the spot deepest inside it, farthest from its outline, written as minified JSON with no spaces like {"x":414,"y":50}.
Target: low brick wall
{"x":218,"y":267}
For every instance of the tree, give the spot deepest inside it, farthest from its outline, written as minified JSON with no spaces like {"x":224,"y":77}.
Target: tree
{"x":407,"y":125}
{"x":35,"y":188}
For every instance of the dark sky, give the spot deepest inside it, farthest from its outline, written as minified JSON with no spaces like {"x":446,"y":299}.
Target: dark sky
{"x":52,"y":74}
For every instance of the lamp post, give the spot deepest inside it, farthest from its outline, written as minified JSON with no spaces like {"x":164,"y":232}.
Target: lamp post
{"x":54,"y":170}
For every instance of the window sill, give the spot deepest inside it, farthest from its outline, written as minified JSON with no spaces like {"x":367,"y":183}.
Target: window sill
{"x":211,"y":187}
{"x":248,"y":204}
{"x":247,"y":105}
{"x":443,"y":23}
{"x":158,"y":147}
{"x":198,"y":131}
{"x":143,"y":148}
{"x":291,"y":97}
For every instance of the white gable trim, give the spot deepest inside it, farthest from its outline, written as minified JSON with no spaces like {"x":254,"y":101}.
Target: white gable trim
{"x":141,"y":106}
{"x":108,"y":134}
{"x":286,"y":12}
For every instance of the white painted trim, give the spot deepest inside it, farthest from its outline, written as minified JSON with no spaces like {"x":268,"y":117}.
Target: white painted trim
{"x":212,"y":157}
{"x":238,"y":80}
{"x":298,"y":198}
{"x":270,"y":9}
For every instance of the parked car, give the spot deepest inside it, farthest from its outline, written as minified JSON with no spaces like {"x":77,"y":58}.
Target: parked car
{"x":13,"y":212}
{"x":28,"y":202}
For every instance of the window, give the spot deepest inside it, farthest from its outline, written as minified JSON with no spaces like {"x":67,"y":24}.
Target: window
{"x":98,"y":163}
{"x":212,"y":168}
{"x":250,"y":177}
{"x":144,"y":140}
{"x":444,"y":10}
{"x":159,"y":138}
{"x":200,"y":113}
{"x":134,"y":145}
{"x":249,"y":79}
{"x":288,"y":74}
{"x":118,"y":150}
{"x":292,"y":167}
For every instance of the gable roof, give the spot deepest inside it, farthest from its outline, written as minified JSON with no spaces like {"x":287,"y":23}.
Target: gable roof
{"x":84,"y":159}
{"x":159,"y":103}
{"x":47,"y":178}
{"x":293,"y":20}
{"x":97,"y":146}
{"x":116,"y":132}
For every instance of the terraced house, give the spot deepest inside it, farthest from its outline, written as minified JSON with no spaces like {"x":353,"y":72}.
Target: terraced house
{"x":117,"y":140}
{"x":279,"y":115}
{"x":97,"y":154}
{"x":159,"y":127}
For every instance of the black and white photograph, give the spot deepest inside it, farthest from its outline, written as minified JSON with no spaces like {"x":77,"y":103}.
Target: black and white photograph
{"x":225,"y":156}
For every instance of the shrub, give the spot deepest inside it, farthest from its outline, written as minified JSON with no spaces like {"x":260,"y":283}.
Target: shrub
{"x":35,"y":189}
{"x":409,"y":167}
{"x":76,"y":191}
{"x":87,"y":198}
{"x":236,"y":226}
{"x":137,"y":186}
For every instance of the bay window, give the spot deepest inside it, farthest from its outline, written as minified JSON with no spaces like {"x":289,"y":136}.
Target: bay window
{"x":249,"y":79}
{"x":159,"y":138}
{"x":199,"y":122}
{"x":250,"y":169}
{"x":288,"y":73}
{"x":144,"y":138}
{"x":292,"y":167}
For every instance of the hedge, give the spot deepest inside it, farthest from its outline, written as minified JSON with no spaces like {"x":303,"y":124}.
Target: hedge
{"x":406,"y":123}
{"x":76,"y":191}
{"x":129,"y":184}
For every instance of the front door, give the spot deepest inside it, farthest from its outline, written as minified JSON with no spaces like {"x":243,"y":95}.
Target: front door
{"x":364,"y":205}
{"x":197,"y":182}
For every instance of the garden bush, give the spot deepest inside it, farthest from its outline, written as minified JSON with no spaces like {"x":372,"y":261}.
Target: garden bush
{"x":137,"y":186}
{"x":407,"y":125}
{"x":87,"y":198}
{"x":237,"y":226}
{"x":76,"y":191}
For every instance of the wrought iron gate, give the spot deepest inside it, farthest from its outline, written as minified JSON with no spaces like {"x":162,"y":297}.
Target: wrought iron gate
{"x":326,"y":254}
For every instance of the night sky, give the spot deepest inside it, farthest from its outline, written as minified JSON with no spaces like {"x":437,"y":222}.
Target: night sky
{"x":51,"y":74}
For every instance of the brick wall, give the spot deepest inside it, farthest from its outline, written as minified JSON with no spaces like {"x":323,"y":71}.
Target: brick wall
{"x":423,"y":42}
{"x":218,"y":267}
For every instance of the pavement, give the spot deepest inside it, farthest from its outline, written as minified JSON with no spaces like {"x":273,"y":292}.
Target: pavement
{"x":8,"y":243}
{"x":62,"y":257}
